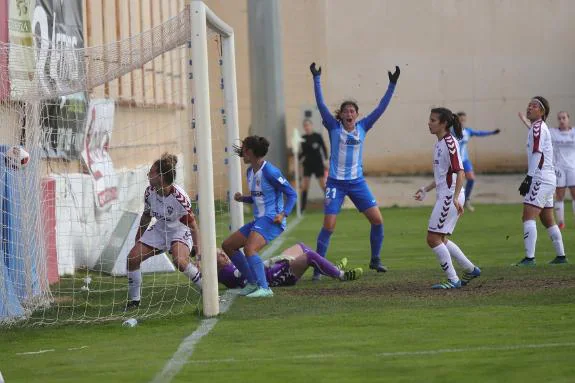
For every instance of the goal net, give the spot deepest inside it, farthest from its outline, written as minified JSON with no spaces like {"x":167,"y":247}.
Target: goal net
{"x":93,"y":121}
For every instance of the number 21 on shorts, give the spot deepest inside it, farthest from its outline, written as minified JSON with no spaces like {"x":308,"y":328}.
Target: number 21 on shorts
{"x":330,"y":193}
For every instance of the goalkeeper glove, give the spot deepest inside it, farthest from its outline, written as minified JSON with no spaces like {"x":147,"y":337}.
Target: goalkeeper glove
{"x":525,"y":185}
{"x":315,"y":72}
{"x":394,"y":76}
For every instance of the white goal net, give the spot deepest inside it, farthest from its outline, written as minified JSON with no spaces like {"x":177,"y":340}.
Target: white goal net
{"x":93,"y":121}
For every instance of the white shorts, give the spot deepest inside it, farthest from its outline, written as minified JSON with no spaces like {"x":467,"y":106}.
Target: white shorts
{"x":565,"y":177}
{"x":444,"y":215}
{"x":161,"y":239}
{"x":540,"y":195}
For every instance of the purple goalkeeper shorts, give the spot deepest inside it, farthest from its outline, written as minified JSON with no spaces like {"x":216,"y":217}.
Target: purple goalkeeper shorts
{"x":279,"y":274}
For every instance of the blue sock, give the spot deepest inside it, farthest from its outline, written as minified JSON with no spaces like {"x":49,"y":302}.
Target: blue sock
{"x":468,"y":188}
{"x":323,"y":241}
{"x":258,"y":270}
{"x":241,"y":263}
{"x":376,"y":240}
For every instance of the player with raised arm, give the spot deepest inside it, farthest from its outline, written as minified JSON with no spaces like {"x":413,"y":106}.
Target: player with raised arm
{"x":175,"y":230}
{"x":467,"y":165}
{"x":539,"y":184}
{"x":313,"y":151}
{"x":287,"y":268}
{"x":563,"y":139}
{"x":347,"y":136}
{"x":267,"y":187}
{"x":448,"y":177}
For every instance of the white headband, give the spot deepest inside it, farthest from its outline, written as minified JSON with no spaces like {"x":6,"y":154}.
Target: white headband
{"x":540,"y":104}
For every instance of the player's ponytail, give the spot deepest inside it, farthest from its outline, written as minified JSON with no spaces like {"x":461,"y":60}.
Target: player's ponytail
{"x":456,"y":125}
{"x":166,"y":167}
{"x":451,"y":120}
{"x":259,"y":146}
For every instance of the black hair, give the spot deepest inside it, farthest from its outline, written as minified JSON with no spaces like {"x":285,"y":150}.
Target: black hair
{"x":166,"y":167}
{"x":546,"y":106}
{"x":451,"y":120}
{"x":461,"y":113}
{"x":258,"y":145}
{"x":337,"y":112}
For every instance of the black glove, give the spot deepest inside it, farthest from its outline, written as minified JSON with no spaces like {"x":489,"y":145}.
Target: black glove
{"x":496,"y":131}
{"x":525,"y":185}
{"x":315,"y":72}
{"x":394,"y":76}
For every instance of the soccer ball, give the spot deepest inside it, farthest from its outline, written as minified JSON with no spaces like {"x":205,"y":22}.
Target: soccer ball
{"x":17,"y":158}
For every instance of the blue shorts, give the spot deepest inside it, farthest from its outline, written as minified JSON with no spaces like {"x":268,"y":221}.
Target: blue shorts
{"x":467,"y":166}
{"x":356,"y":190}
{"x":264,"y":226}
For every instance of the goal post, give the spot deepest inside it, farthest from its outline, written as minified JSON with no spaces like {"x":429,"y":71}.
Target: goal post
{"x":157,"y":90}
{"x":200,"y":18}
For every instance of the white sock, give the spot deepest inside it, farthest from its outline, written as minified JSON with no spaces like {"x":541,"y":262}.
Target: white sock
{"x":559,"y":207}
{"x":445,"y":262}
{"x":194,"y":275}
{"x":341,"y":275}
{"x":134,"y":285}
{"x":573,"y":206}
{"x":460,"y":258}
{"x":530,"y":237}
{"x":557,"y":239}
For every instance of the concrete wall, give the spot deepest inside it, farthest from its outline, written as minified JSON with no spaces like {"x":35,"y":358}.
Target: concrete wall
{"x":485,"y":57}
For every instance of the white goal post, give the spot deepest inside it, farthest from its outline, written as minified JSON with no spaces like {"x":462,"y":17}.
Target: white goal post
{"x":163,"y":68}
{"x":200,"y":18}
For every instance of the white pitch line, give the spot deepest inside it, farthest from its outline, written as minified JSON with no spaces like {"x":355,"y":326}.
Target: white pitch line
{"x":188,"y":345}
{"x":386,"y":354}
{"x":35,"y":352}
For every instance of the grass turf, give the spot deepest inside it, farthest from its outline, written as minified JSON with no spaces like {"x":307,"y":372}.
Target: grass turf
{"x":512,"y":324}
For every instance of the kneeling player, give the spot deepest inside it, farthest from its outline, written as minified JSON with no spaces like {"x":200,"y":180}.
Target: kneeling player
{"x":175,"y":229}
{"x":287,"y":269}
{"x":448,"y":180}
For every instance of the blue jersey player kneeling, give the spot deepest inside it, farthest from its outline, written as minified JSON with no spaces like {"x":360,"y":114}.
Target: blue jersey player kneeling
{"x":267,"y":186}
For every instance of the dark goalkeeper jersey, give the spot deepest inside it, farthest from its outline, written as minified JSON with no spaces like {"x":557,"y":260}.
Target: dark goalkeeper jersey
{"x":313,"y":149}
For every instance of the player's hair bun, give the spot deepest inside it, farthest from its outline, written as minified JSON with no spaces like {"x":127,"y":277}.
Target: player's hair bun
{"x":169,"y":159}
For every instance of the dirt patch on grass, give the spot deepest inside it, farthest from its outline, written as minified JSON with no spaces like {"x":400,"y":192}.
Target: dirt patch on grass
{"x":421,"y":289}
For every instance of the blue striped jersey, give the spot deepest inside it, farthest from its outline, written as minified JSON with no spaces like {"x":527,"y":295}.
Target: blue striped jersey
{"x":267,"y":189}
{"x":346,"y":154}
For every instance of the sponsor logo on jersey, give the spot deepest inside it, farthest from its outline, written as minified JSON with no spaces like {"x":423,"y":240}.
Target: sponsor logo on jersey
{"x":352,"y":141}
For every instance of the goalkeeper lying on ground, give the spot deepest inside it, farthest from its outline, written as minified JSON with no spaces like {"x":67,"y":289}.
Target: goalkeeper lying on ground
{"x":287,"y":268}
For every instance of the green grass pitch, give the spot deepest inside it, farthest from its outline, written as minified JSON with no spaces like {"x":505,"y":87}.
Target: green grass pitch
{"x":510,"y":325}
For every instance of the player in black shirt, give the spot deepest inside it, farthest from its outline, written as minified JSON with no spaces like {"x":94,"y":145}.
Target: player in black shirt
{"x":313,"y":152}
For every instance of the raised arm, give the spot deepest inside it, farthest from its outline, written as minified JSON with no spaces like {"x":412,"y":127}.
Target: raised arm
{"x":329,"y":121}
{"x":483,"y":133}
{"x":376,"y":114}
{"x":524,"y":120}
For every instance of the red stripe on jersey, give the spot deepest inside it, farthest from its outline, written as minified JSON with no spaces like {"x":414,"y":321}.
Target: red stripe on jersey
{"x":449,"y":177}
{"x":536,"y":135}
{"x":453,"y":154}
{"x":182,"y":200}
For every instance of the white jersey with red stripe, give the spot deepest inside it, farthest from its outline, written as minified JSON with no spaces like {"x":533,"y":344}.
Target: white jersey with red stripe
{"x":446,"y":164}
{"x":167,"y":209}
{"x":539,"y":141}
{"x":563,"y":148}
